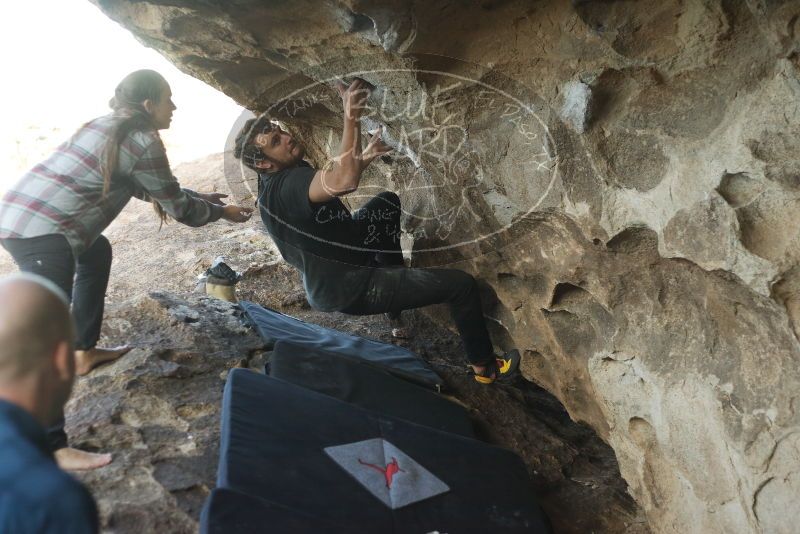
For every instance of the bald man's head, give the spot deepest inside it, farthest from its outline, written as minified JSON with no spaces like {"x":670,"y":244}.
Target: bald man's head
{"x":34,"y":321}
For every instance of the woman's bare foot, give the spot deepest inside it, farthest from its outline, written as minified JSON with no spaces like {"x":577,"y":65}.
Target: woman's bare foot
{"x":71,"y":459}
{"x":86,"y":360}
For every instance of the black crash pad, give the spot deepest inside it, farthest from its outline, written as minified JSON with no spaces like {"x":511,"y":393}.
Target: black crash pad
{"x":289,"y":445}
{"x":274,"y":326}
{"x":228,"y":512}
{"x":368,"y":386}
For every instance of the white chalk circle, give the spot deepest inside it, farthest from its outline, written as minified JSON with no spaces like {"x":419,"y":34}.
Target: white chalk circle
{"x":470,"y":159}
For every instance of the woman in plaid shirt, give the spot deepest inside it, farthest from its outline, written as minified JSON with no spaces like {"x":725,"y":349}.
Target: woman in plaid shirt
{"x":51,"y":221}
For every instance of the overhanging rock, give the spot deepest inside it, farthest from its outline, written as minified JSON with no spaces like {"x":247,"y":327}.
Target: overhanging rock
{"x":647,"y":261}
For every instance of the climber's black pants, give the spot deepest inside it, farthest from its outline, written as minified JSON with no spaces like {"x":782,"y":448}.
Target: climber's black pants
{"x":393,"y":288}
{"x":84,"y":281}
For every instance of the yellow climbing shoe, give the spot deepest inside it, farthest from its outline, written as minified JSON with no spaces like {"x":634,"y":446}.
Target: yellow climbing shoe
{"x":501,"y":368}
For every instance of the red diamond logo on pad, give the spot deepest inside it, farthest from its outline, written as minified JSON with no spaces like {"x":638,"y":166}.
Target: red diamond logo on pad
{"x":388,"y":473}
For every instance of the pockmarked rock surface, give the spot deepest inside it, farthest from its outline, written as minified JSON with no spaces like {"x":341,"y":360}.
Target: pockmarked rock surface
{"x":157,"y":409}
{"x":623,"y":175}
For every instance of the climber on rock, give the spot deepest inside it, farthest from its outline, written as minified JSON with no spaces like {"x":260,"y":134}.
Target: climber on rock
{"x":346,"y":265}
{"x":51,"y":221}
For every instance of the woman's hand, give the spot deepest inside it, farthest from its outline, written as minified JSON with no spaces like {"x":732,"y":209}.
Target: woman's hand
{"x":354,"y":97}
{"x":214,"y":198}
{"x":237,"y":214}
{"x":375,"y":148}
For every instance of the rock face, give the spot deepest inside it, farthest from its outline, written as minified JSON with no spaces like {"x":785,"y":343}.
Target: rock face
{"x":623,"y":176}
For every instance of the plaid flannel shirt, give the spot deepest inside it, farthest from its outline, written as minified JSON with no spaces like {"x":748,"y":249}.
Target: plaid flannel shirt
{"x":64,"y":194}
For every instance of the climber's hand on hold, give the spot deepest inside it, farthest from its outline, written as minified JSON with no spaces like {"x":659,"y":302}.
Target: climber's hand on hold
{"x":354,"y":97}
{"x":376,"y":148}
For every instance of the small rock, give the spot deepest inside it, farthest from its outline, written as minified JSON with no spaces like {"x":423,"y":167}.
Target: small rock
{"x":185,"y":314}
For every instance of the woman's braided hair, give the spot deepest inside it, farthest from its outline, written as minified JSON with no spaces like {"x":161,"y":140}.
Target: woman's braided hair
{"x":129,"y":95}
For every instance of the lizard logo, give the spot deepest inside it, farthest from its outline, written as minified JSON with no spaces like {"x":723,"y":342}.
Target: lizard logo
{"x":392,"y":468}
{"x":363,"y":460}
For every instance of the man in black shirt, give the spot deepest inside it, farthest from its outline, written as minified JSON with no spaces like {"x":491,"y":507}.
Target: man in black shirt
{"x":346,"y":266}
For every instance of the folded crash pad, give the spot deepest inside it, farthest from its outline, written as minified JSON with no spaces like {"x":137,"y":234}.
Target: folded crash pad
{"x":365,"y":385}
{"x":310,"y":452}
{"x":274,"y":326}
{"x":227,"y":511}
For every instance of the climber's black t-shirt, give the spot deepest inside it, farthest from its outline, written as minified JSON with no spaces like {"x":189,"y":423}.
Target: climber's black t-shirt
{"x":321,"y":240}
